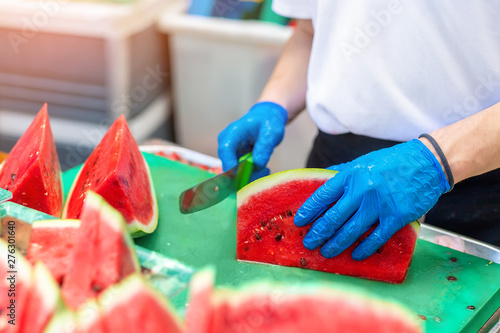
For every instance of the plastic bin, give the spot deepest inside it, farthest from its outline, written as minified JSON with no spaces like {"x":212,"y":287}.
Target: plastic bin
{"x":90,"y":61}
{"x":219,"y":68}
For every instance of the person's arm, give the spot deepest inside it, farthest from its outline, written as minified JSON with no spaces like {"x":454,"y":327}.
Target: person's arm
{"x":288,"y":84}
{"x":471,"y":145}
{"x":262,"y":128}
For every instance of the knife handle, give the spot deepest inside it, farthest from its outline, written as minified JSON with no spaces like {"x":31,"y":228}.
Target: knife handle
{"x":244,"y":171}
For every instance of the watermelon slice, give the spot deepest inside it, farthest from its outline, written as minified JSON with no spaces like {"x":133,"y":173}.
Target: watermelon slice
{"x":134,"y":306}
{"x":266,"y":232}
{"x":275,"y":308}
{"x":198,"y":313}
{"x":43,"y":301}
{"x":117,"y":171}
{"x":32,"y":171}
{"x":103,"y":253}
{"x":16,"y":279}
{"x":52,"y":243}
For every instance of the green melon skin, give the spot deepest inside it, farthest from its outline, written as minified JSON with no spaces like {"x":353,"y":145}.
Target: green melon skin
{"x":134,"y":306}
{"x":272,"y":307}
{"x":266,"y":232}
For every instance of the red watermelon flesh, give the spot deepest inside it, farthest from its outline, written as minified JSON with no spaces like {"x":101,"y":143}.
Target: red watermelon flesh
{"x":275,"y":309}
{"x":103,"y":253}
{"x":198,"y":313}
{"x":14,"y":287}
{"x":32,"y":171}
{"x":266,"y":232}
{"x":133,"y":306}
{"x":52,"y":243}
{"x":118,"y":172}
{"x":43,"y":301}
{"x":271,"y":307}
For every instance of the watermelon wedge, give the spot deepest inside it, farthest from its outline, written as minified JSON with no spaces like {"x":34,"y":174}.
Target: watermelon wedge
{"x":32,"y":171}
{"x":103,"y":253}
{"x":43,"y":301}
{"x":275,"y":308}
{"x":118,"y":172}
{"x":266,"y":232}
{"x":199,"y":309}
{"x":134,"y":306}
{"x":52,"y":243}
{"x":16,"y":279}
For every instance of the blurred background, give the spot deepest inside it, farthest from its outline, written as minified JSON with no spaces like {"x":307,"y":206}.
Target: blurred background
{"x":179,"y":70}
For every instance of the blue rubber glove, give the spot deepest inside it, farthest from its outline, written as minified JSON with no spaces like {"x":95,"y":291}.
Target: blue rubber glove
{"x":394,"y":186}
{"x":260,"y":130}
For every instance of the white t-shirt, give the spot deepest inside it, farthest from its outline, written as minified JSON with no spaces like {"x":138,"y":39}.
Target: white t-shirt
{"x":394,"y":69}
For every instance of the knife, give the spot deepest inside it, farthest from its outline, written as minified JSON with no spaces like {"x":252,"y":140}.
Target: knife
{"x":216,"y":189}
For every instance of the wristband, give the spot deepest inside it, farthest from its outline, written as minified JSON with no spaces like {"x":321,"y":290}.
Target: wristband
{"x":446,"y":166}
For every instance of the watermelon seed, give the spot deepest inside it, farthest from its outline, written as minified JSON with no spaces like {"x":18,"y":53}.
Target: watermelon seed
{"x":422,"y":317}
{"x":246,"y":248}
{"x":453,"y":259}
{"x":471,"y":307}
{"x":257,"y":236}
{"x":263,"y":223}
{"x":278,"y":237}
{"x":303,"y":262}
{"x":13,"y":176}
{"x":451,"y":278}
{"x":97,"y":288}
{"x":300,"y":233}
{"x":379,"y":250}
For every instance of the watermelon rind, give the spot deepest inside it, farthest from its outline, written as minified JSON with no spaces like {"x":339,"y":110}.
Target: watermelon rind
{"x":114,"y":219}
{"x":62,"y":322}
{"x":278,"y":178}
{"x":136,"y":228}
{"x":88,"y":315}
{"x":125,"y":291}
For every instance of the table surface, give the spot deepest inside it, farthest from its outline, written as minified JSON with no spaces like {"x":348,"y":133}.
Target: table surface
{"x":208,"y":237}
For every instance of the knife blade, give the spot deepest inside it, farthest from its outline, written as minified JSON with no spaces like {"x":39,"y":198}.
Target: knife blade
{"x":216,"y":189}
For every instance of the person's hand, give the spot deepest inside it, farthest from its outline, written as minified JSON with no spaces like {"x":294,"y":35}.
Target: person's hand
{"x":392,"y":186}
{"x":260,"y":130}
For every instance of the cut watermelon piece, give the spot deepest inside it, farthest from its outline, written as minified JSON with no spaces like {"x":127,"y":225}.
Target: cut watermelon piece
{"x":52,"y":243}
{"x":43,"y":301}
{"x":16,"y":279}
{"x":199,"y":309}
{"x":275,"y":308}
{"x":32,"y":171}
{"x":118,"y":172}
{"x":134,"y":306}
{"x":266,"y":232}
{"x":103,"y":253}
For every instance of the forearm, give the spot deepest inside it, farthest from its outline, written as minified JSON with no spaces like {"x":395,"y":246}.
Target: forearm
{"x":471,"y":145}
{"x":288,"y":84}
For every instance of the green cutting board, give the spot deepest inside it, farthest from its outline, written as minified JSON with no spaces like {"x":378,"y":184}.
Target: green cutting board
{"x":208,"y":237}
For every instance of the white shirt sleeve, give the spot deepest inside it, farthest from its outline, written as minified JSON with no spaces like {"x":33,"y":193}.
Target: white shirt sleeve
{"x":299,"y":9}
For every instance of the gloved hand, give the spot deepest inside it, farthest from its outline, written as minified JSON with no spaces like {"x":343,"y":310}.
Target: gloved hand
{"x":260,"y":130}
{"x":394,"y":186}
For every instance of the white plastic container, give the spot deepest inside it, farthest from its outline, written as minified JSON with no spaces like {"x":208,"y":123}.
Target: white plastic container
{"x":90,"y":61}
{"x":219,"y":68}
